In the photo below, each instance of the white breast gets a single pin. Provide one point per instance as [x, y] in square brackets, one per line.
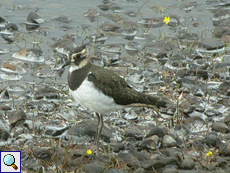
[90, 97]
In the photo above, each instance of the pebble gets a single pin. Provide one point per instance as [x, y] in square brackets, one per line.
[187, 163]
[168, 141]
[17, 117]
[211, 139]
[94, 167]
[220, 127]
[34, 19]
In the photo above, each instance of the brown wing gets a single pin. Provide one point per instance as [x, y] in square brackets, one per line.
[115, 86]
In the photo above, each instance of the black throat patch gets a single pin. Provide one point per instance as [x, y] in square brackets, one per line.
[75, 78]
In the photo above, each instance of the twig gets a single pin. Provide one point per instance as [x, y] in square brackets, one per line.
[192, 156]
[142, 5]
[149, 25]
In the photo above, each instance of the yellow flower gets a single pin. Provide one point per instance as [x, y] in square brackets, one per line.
[209, 153]
[89, 152]
[8, 77]
[167, 20]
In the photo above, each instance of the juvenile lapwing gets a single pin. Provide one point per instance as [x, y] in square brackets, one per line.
[102, 90]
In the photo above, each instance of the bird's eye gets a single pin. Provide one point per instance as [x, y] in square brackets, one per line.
[75, 56]
[78, 55]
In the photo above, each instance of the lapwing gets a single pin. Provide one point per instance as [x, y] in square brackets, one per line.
[102, 90]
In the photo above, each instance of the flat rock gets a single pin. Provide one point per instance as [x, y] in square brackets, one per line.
[43, 152]
[220, 127]
[159, 131]
[114, 170]
[89, 128]
[211, 139]
[94, 167]
[168, 141]
[151, 165]
[224, 148]
[129, 159]
[17, 117]
[211, 44]
[187, 163]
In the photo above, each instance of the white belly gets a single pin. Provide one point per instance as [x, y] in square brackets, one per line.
[88, 96]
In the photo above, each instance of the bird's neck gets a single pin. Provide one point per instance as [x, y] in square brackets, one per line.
[77, 75]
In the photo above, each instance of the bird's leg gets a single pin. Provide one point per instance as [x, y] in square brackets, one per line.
[99, 128]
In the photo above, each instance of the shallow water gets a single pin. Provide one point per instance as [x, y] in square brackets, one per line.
[17, 11]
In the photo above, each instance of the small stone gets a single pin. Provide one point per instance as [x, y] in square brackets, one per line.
[88, 127]
[211, 113]
[199, 90]
[47, 92]
[109, 27]
[140, 170]
[98, 37]
[219, 31]
[189, 81]
[3, 22]
[220, 127]
[133, 46]
[9, 66]
[112, 48]
[225, 39]
[211, 139]
[176, 61]
[94, 167]
[42, 152]
[152, 164]
[221, 14]
[114, 170]
[150, 143]
[224, 148]
[159, 131]
[32, 165]
[17, 117]
[31, 54]
[227, 119]
[221, 161]
[172, 152]
[186, 34]
[199, 73]
[129, 159]
[180, 74]
[134, 133]
[11, 27]
[168, 141]
[92, 14]
[118, 147]
[225, 88]
[187, 163]
[211, 44]
[169, 161]
[4, 134]
[129, 32]
[139, 155]
[63, 19]
[4, 95]
[64, 46]
[170, 168]
[188, 109]
[34, 19]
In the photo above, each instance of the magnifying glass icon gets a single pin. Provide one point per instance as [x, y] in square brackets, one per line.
[9, 160]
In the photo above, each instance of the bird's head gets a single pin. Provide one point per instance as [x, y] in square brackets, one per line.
[77, 57]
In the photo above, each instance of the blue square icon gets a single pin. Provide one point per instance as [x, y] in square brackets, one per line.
[10, 161]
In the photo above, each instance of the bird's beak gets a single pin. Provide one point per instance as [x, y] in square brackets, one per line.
[66, 63]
